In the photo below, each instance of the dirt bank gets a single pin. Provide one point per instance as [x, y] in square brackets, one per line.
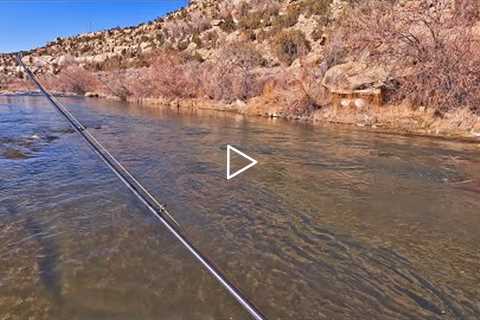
[401, 120]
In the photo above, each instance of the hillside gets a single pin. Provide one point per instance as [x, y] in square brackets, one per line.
[200, 30]
[407, 65]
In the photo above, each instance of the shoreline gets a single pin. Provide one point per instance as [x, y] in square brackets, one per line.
[391, 120]
[319, 119]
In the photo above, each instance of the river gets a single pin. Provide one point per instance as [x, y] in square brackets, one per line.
[332, 223]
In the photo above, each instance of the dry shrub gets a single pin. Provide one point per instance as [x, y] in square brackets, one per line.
[309, 80]
[252, 21]
[199, 22]
[316, 7]
[212, 38]
[425, 44]
[271, 7]
[257, 13]
[74, 79]
[232, 76]
[176, 29]
[289, 95]
[183, 45]
[467, 11]
[170, 75]
[18, 85]
[128, 59]
[224, 9]
[290, 45]
[197, 40]
[119, 83]
[301, 93]
[289, 19]
[228, 25]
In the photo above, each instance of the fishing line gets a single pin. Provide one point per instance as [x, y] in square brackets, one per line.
[158, 210]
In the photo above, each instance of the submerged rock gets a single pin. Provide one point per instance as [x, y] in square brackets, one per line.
[14, 154]
[51, 138]
[64, 131]
[24, 147]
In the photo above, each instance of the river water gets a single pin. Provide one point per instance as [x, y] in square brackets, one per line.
[331, 224]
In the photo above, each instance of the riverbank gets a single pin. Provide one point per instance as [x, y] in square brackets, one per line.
[7, 93]
[402, 120]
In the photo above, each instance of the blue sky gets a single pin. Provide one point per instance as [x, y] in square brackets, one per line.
[27, 24]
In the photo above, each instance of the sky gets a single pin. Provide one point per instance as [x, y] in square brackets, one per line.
[27, 24]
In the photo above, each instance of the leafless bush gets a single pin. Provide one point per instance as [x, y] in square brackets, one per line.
[256, 14]
[301, 92]
[170, 76]
[225, 9]
[269, 6]
[212, 38]
[120, 83]
[468, 11]
[290, 18]
[252, 20]
[232, 76]
[228, 25]
[427, 47]
[200, 22]
[309, 80]
[334, 53]
[19, 85]
[73, 79]
[294, 93]
[176, 29]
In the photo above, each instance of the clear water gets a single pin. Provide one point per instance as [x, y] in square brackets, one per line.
[331, 224]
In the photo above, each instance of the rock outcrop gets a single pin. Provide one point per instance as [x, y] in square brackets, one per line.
[354, 77]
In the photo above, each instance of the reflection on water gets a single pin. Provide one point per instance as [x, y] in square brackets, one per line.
[331, 224]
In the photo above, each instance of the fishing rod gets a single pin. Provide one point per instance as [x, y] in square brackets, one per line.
[158, 210]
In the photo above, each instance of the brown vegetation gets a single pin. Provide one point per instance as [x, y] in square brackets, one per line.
[290, 45]
[433, 57]
[73, 79]
[232, 76]
[273, 54]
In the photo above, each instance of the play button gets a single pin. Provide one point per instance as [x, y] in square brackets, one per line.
[231, 175]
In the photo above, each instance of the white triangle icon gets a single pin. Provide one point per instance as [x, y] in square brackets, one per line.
[236, 173]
